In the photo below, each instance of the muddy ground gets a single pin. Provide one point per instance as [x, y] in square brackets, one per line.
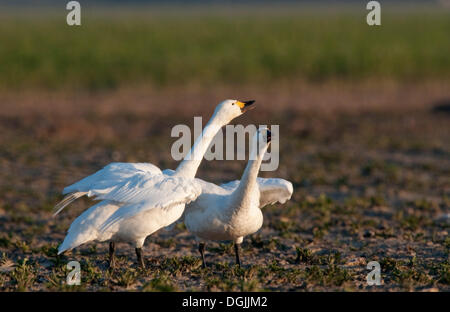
[370, 165]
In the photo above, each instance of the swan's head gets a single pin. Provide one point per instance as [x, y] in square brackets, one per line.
[261, 140]
[230, 109]
[264, 136]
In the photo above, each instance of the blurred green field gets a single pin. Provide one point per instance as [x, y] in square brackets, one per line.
[164, 50]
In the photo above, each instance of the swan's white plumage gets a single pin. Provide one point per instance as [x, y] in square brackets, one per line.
[208, 217]
[67, 201]
[105, 180]
[272, 190]
[112, 175]
[138, 198]
[233, 210]
[85, 227]
[135, 190]
[143, 194]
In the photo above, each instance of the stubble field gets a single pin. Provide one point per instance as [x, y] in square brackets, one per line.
[364, 140]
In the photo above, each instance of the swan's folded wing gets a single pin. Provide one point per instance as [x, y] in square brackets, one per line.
[271, 190]
[153, 192]
[105, 180]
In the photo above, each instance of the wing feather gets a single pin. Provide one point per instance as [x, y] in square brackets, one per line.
[155, 192]
[271, 190]
[105, 180]
[67, 201]
[111, 175]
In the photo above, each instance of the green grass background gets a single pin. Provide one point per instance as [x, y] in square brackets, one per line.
[109, 51]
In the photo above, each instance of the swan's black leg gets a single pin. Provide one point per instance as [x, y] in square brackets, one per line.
[139, 257]
[201, 248]
[112, 258]
[236, 249]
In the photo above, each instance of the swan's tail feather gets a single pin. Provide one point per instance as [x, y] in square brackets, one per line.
[63, 247]
[70, 243]
[66, 201]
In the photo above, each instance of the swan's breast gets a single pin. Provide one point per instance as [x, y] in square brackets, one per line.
[246, 223]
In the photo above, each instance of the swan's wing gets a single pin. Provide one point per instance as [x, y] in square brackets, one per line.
[70, 198]
[274, 190]
[159, 189]
[105, 180]
[152, 192]
[271, 190]
[111, 175]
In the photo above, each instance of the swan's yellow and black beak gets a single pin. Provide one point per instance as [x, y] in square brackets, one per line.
[245, 105]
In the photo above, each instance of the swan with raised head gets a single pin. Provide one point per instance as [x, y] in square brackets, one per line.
[233, 210]
[138, 199]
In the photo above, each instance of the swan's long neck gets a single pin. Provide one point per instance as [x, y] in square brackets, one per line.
[189, 166]
[241, 197]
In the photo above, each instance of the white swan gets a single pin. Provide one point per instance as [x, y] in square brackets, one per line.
[138, 198]
[233, 210]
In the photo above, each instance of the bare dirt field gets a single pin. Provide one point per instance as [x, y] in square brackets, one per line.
[370, 165]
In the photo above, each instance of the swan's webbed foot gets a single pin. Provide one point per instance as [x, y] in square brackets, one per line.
[112, 258]
[139, 258]
[236, 250]
[201, 248]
